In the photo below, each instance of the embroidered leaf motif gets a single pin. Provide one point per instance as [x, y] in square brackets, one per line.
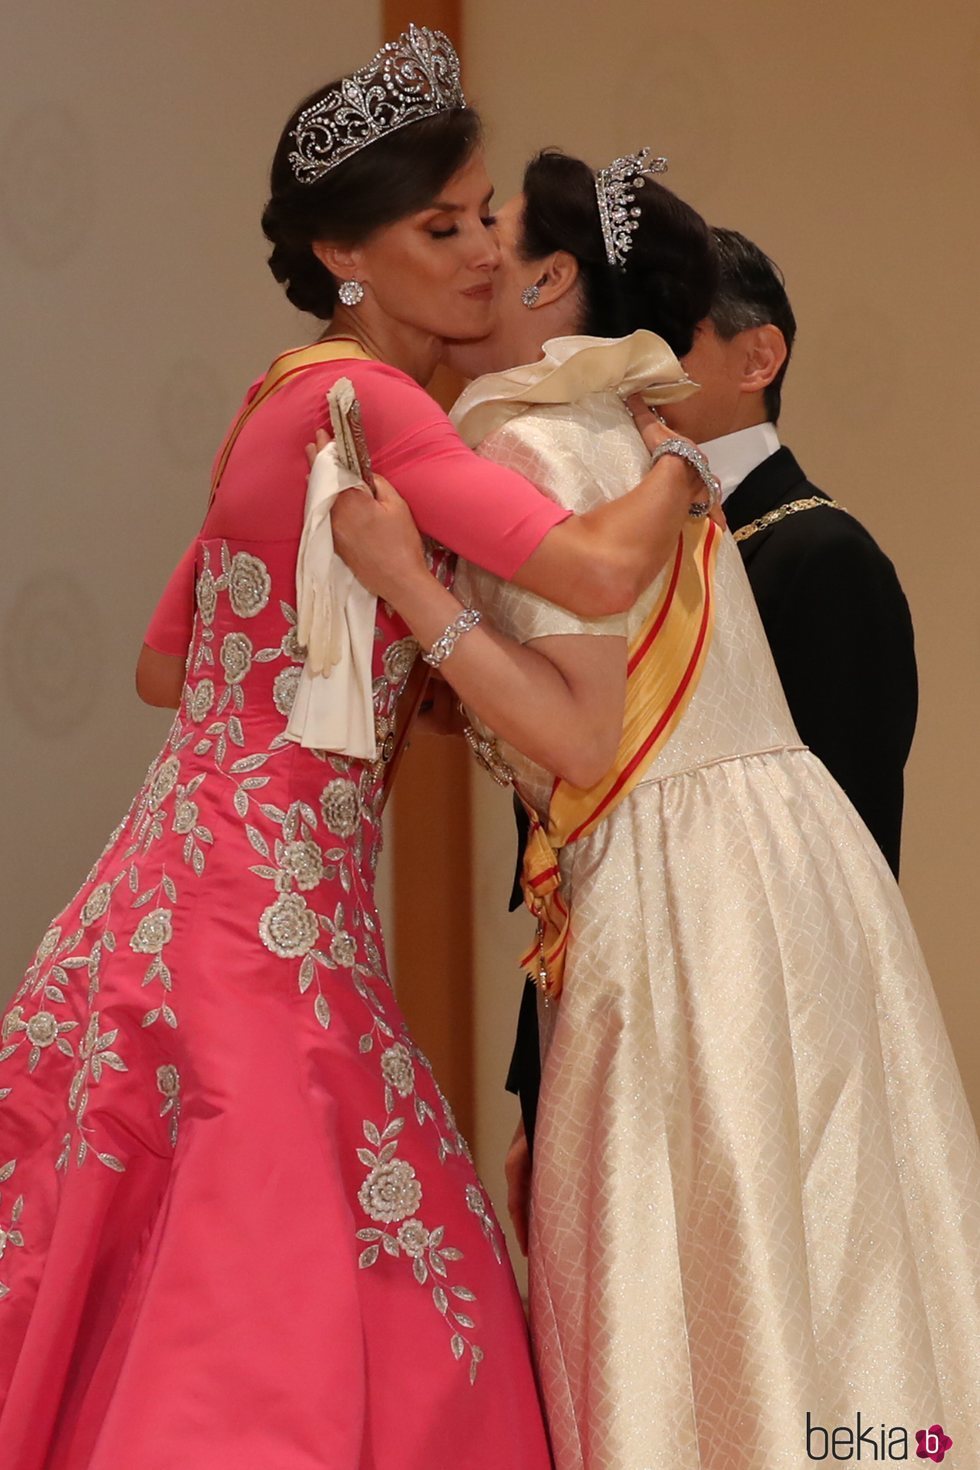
[441, 1300]
[372, 1135]
[256, 839]
[306, 972]
[246, 763]
[366, 1043]
[7, 1170]
[112, 1162]
[369, 1256]
[457, 1345]
[322, 1011]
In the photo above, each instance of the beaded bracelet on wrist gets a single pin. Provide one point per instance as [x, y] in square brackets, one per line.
[445, 644]
[691, 454]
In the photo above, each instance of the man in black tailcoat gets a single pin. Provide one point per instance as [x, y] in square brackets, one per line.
[831, 604]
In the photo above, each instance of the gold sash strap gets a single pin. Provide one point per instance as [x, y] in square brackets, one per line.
[665, 663]
[285, 367]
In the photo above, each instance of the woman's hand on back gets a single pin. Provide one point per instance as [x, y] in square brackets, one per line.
[654, 432]
[375, 534]
[377, 538]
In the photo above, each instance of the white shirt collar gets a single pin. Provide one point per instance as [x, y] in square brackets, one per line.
[734, 456]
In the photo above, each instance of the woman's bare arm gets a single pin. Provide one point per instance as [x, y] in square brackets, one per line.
[559, 700]
[592, 564]
[159, 678]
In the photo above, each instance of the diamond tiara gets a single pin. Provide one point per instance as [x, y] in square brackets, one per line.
[614, 187]
[411, 78]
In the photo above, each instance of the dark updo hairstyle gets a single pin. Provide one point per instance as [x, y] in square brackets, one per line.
[395, 176]
[671, 271]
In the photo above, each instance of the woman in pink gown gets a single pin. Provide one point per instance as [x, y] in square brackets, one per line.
[239, 1228]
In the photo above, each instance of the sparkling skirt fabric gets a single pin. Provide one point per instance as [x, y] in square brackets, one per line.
[756, 1187]
[239, 1229]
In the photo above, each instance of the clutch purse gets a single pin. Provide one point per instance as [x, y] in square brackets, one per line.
[348, 431]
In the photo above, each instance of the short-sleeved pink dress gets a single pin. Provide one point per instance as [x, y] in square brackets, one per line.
[239, 1229]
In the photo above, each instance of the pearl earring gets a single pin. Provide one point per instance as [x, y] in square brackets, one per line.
[530, 296]
[351, 293]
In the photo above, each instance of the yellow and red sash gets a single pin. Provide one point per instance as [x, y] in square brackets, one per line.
[285, 367]
[666, 659]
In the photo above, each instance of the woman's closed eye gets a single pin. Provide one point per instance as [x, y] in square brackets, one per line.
[488, 221]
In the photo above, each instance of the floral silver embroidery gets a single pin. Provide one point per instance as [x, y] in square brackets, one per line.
[249, 585]
[398, 1069]
[163, 782]
[391, 1195]
[391, 1192]
[48, 944]
[303, 862]
[207, 596]
[398, 659]
[236, 657]
[476, 1202]
[153, 931]
[185, 816]
[42, 1030]
[284, 689]
[96, 1053]
[10, 1234]
[96, 904]
[413, 1238]
[199, 699]
[168, 1085]
[343, 949]
[292, 647]
[288, 927]
[340, 804]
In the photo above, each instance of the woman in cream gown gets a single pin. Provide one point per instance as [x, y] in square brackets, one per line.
[755, 1206]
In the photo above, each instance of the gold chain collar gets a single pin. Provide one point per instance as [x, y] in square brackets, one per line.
[773, 517]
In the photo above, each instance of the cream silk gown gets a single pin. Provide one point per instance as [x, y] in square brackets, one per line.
[756, 1193]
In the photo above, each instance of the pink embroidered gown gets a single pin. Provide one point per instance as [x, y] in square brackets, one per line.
[239, 1229]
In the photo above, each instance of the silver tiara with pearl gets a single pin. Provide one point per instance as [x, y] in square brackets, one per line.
[409, 79]
[615, 188]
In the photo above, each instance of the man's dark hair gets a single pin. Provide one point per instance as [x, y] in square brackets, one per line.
[751, 293]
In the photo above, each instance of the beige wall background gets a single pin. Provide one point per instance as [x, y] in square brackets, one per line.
[136, 306]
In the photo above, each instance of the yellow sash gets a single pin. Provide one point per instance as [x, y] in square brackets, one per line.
[666, 659]
[285, 367]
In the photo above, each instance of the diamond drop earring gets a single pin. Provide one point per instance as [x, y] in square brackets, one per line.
[530, 296]
[351, 293]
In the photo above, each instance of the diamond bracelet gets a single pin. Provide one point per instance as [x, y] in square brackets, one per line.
[444, 645]
[684, 449]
